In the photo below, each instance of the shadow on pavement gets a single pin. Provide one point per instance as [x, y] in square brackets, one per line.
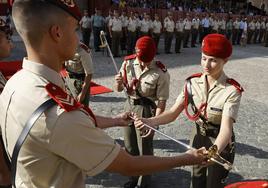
[244, 149]
[107, 99]
[177, 178]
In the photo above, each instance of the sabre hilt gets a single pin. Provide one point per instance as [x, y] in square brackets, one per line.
[103, 40]
[214, 156]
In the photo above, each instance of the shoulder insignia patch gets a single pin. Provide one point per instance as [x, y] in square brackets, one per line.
[133, 56]
[160, 65]
[235, 84]
[67, 102]
[197, 75]
[85, 47]
[64, 100]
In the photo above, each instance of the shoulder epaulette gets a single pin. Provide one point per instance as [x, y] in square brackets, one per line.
[85, 47]
[133, 56]
[161, 66]
[197, 75]
[235, 84]
[67, 102]
[64, 100]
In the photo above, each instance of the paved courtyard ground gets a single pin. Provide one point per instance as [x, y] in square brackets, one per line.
[248, 65]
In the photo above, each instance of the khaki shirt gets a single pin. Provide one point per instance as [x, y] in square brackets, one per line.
[83, 65]
[157, 26]
[258, 25]
[145, 25]
[236, 24]
[223, 99]
[222, 24]
[116, 24]
[179, 26]
[169, 25]
[154, 83]
[252, 26]
[62, 147]
[195, 23]
[262, 25]
[85, 22]
[132, 24]
[187, 24]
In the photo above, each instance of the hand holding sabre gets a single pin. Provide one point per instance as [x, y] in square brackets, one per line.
[146, 125]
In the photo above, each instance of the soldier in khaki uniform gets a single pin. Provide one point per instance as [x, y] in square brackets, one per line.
[251, 30]
[179, 35]
[262, 31]
[132, 25]
[169, 26]
[146, 81]
[215, 100]
[66, 142]
[115, 29]
[156, 30]
[5, 49]
[235, 31]
[80, 71]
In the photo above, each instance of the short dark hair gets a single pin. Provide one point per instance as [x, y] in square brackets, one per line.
[33, 18]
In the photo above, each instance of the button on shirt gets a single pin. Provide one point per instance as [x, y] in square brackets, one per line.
[62, 146]
[223, 99]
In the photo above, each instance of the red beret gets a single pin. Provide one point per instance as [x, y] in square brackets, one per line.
[67, 5]
[217, 45]
[145, 49]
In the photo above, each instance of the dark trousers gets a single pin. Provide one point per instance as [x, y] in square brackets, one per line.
[96, 33]
[250, 34]
[123, 40]
[116, 35]
[194, 37]
[256, 34]
[131, 38]
[186, 36]
[229, 34]
[168, 41]
[234, 36]
[136, 145]
[266, 39]
[179, 38]
[156, 37]
[240, 31]
[214, 175]
[86, 32]
[262, 32]
[201, 33]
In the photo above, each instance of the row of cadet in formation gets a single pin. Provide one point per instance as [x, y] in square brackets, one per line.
[123, 30]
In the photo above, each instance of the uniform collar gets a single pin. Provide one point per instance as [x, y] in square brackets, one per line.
[43, 71]
[220, 82]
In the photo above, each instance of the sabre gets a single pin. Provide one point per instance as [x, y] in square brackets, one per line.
[104, 44]
[212, 152]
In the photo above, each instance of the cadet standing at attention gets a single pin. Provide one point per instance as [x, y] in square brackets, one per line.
[66, 142]
[80, 71]
[146, 81]
[215, 100]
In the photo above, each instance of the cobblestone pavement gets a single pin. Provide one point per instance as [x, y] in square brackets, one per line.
[249, 66]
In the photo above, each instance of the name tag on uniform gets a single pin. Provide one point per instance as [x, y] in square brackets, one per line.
[216, 109]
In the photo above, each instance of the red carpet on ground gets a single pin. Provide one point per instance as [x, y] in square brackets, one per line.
[249, 184]
[11, 67]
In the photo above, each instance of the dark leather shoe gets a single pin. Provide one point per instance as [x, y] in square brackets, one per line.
[130, 184]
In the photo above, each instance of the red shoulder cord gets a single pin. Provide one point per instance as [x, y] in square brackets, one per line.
[196, 115]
